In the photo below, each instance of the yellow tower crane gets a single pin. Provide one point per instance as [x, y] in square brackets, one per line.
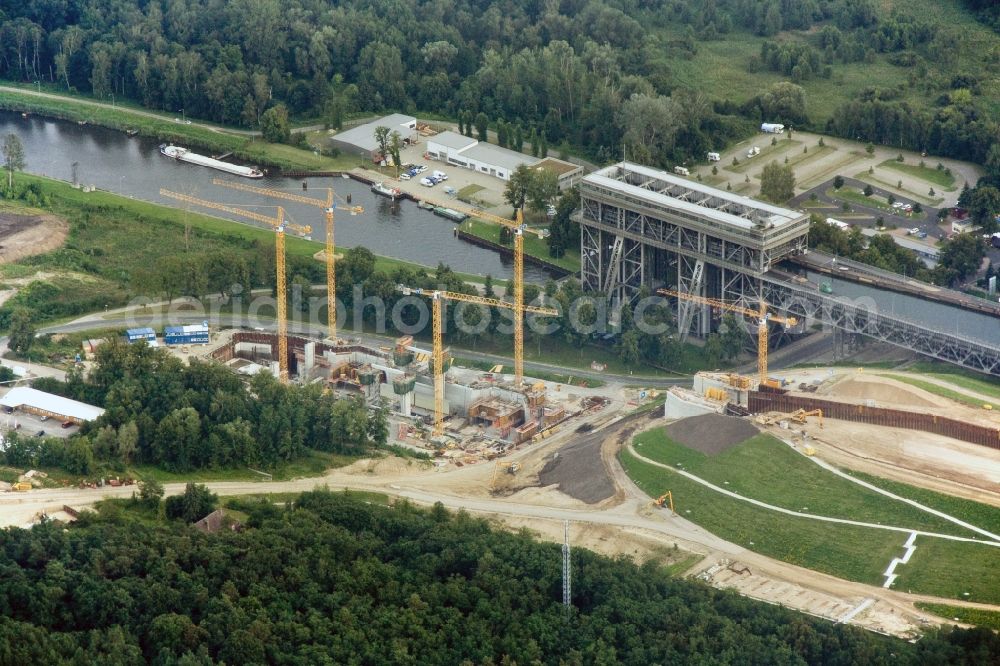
[761, 315]
[279, 224]
[437, 327]
[518, 306]
[329, 206]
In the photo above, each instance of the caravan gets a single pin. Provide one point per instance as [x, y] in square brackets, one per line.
[681, 171]
[714, 157]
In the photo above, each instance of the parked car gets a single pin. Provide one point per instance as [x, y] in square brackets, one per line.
[440, 175]
[420, 168]
[43, 417]
[922, 234]
[404, 176]
[427, 182]
[40, 433]
[68, 424]
[914, 231]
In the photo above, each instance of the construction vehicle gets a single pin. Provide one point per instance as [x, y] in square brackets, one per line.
[519, 228]
[509, 467]
[667, 499]
[437, 327]
[762, 316]
[799, 416]
[20, 486]
[328, 205]
[279, 224]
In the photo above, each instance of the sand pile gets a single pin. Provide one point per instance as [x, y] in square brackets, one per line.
[884, 390]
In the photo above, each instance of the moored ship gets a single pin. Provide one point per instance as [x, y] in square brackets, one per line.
[185, 155]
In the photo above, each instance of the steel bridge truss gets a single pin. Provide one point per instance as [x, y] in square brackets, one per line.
[864, 319]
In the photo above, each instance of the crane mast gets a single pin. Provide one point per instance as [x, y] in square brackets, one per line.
[279, 224]
[518, 227]
[328, 205]
[761, 315]
[438, 298]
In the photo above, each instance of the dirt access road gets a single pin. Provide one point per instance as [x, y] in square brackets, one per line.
[622, 523]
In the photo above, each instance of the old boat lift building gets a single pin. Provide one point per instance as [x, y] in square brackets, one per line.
[641, 227]
[644, 227]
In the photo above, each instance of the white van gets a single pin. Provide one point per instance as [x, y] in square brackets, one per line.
[440, 175]
[714, 157]
[681, 171]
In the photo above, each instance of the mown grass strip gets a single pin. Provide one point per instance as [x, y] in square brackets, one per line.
[976, 616]
[850, 552]
[943, 391]
[768, 470]
[938, 177]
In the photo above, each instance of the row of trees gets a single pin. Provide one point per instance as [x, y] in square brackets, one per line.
[960, 257]
[332, 578]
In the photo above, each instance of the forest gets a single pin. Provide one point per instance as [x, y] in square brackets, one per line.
[180, 417]
[584, 74]
[333, 578]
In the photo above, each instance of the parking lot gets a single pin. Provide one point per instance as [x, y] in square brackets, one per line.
[32, 424]
[489, 196]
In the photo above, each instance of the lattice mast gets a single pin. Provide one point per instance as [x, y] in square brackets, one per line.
[328, 205]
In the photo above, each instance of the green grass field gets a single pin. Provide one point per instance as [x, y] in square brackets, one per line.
[770, 471]
[854, 553]
[976, 616]
[967, 379]
[533, 245]
[951, 569]
[760, 469]
[852, 195]
[981, 515]
[943, 391]
[941, 178]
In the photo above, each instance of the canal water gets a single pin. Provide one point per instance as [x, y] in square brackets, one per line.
[133, 166]
[967, 324]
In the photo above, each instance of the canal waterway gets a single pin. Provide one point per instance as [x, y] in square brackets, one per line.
[930, 314]
[133, 166]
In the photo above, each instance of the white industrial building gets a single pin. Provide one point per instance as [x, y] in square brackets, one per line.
[481, 157]
[51, 405]
[360, 140]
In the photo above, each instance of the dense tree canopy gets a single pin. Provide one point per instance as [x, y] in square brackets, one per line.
[334, 579]
[183, 417]
[578, 71]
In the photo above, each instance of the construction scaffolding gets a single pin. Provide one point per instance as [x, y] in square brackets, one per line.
[497, 413]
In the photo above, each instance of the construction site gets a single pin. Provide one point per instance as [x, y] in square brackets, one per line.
[478, 416]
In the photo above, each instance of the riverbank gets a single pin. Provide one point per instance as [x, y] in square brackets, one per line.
[243, 145]
[109, 244]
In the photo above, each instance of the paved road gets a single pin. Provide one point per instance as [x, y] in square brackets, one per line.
[100, 321]
[925, 221]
